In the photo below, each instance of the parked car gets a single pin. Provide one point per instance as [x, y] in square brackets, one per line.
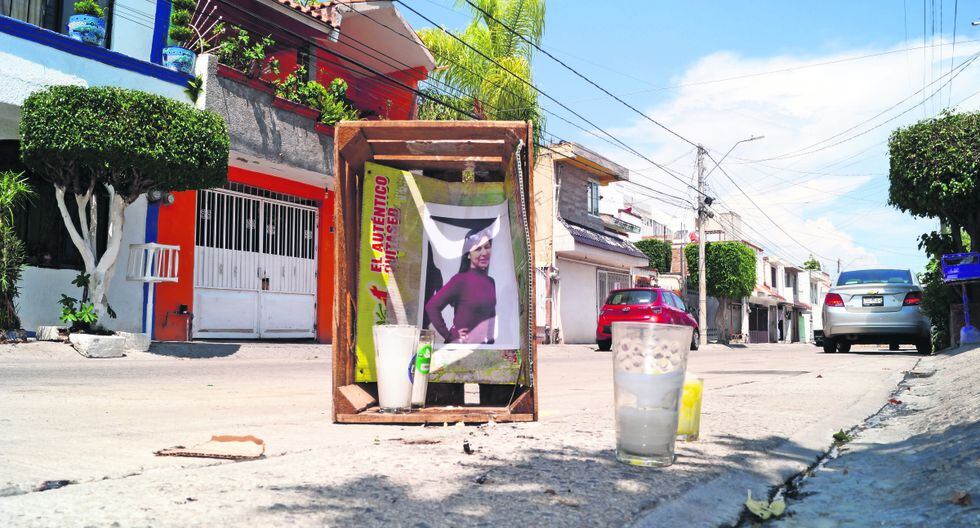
[655, 305]
[875, 306]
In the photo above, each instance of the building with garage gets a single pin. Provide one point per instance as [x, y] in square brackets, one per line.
[579, 260]
[255, 257]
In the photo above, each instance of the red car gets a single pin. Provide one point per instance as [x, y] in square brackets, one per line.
[655, 305]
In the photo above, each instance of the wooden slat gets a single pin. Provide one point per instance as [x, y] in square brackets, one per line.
[437, 415]
[387, 147]
[439, 130]
[356, 398]
[458, 165]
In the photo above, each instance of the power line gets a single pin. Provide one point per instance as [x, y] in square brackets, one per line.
[535, 88]
[806, 151]
[617, 143]
[580, 75]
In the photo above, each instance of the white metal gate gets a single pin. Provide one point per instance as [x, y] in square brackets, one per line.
[254, 267]
[607, 281]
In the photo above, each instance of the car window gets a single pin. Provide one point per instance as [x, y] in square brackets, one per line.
[630, 297]
[876, 276]
[679, 302]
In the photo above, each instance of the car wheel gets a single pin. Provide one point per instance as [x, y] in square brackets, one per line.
[604, 344]
[843, 348]
[893, 347]
[924, 346]
[695, 340]
[829, 346]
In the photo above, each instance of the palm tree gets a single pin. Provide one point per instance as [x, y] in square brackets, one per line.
[479, 86]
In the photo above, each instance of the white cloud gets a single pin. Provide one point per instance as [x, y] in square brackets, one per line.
[831, 201]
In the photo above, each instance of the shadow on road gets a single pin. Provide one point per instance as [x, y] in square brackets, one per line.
[194, 350]
[540, 487]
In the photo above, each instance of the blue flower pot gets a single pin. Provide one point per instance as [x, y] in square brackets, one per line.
[87, 29]
[179, 59]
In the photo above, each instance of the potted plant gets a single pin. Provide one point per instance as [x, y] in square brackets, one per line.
[88, 23]
[179, 56]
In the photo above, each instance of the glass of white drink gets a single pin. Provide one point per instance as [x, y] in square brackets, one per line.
[394, 347]
[649, 360]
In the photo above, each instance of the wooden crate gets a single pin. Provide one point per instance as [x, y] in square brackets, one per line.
[443, 149]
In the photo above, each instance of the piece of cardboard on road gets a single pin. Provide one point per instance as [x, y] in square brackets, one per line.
[221, 446]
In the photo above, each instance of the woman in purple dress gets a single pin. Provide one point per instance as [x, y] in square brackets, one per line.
[471, 292]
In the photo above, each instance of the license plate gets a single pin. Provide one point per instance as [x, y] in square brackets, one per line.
[873, 300]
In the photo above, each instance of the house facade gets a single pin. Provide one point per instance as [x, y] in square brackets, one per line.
[255, 256]
[579, 260]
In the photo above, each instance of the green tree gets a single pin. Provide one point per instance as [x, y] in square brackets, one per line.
[478, 85]
[812, 264]
[14, 192]
[934, 171]
[729, 275]
[126, 140]
[658, 251]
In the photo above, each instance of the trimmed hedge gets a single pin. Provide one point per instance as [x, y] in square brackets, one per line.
[658, 251]
[132, 140]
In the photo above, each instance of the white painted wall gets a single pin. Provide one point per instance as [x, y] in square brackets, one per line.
[577, 302]
[132, 27]
[41, 289]
[27, 66]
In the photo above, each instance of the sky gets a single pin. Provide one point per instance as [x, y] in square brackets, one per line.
[824, 84]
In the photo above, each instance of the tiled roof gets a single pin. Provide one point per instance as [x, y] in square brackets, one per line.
[319, 11]
[591, 237]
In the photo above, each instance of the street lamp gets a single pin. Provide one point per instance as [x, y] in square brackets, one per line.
[703, 203]
[737, 143]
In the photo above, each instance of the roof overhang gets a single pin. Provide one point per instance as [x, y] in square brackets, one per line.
[605, 170]
[369, 26]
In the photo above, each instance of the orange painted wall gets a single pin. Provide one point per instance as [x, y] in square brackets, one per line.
[176, 226]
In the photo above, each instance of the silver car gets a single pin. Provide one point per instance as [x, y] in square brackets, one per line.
[875, 306]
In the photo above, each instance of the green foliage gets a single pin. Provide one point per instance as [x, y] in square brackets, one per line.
[937, 296]
[14, 192]
[12, 258]
[730, 268]
[480, 86]
[841, 437]
[658, 251]
[185, 5]
[179, 35]
[812, 264]
[935, 171]
[78, 315]
[89, 7]
[246, 53]
[331, 102]
[194, 86]
[131, 140]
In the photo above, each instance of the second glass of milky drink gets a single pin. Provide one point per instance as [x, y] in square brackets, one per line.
[394, 347]
[649, 361]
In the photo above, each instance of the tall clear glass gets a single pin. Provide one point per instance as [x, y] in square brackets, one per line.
[394, 348]
[649, 361]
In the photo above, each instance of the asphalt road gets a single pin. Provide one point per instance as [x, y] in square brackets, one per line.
[769, 411]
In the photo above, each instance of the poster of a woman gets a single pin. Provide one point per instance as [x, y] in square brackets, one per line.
[471, 292]
[477, 306]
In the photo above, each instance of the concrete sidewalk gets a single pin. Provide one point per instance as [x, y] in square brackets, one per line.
[768, 412]
[916, 463]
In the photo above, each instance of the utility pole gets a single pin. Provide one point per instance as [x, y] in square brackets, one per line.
[702, 285]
